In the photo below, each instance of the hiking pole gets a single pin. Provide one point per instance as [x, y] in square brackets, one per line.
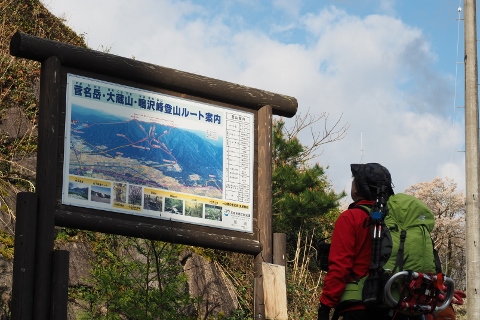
[372, 292]
[377, 214]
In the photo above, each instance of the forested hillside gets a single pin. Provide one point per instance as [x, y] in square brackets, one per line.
[19, 88]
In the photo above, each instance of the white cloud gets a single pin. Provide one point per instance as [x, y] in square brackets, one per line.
[379, 73]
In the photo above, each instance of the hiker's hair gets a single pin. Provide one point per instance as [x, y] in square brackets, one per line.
[372, 195]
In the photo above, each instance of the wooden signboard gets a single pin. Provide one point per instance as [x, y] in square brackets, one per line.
[135, 149]
[141, 150]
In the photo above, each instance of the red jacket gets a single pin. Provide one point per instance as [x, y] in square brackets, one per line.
[350, 253]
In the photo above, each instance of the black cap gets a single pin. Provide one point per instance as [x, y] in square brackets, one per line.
[369, 177]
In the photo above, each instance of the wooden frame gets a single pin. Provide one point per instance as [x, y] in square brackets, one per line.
[138, 226]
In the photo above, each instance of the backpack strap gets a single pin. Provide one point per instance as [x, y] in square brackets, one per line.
[438, 264]
[401, 250]
[365, 208]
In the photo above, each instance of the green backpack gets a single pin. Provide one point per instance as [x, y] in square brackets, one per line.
[404, 244]
[410, 222]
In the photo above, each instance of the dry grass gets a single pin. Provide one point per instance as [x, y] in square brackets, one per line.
[304, 280]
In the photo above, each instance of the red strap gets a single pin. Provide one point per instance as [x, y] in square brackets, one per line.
[439, 282]
[458, 297]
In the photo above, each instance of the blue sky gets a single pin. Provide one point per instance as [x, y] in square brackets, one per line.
[387, 69]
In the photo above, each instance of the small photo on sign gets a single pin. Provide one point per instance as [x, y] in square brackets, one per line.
[174, 206]
[135, 195]
[120, 192]
[100, 194]
[78, 191]
[152, 202]
[213, 212]
[193, 209]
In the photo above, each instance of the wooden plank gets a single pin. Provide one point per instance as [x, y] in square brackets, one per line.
[173, 232]
[274, 291]
[38, 49]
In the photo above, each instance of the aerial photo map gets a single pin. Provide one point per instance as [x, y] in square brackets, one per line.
[145, 153]
[109, 147]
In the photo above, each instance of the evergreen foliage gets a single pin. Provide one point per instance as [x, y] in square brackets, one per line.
[301, 194]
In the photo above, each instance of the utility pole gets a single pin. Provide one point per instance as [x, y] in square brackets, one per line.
[472, 162]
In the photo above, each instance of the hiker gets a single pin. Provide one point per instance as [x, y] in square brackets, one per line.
[383, 238]
[351, 247]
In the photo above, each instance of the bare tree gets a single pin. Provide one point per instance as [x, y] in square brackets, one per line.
[327, 134]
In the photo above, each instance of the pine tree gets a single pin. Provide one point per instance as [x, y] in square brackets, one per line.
[301, 193]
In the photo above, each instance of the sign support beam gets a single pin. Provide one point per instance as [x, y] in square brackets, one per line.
[264, 223]
[46, 184]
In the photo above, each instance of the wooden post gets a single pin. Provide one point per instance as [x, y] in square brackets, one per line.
[46, 184]
[274, 280]
[24, 259]
[60, 284]
[280, 249]
[472, 163]
[264, 222]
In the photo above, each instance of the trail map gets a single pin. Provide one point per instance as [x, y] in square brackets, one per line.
[144, 153]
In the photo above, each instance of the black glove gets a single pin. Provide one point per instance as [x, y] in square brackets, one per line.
[323, 312]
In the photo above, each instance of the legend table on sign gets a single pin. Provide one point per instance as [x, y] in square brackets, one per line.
[239, 156]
